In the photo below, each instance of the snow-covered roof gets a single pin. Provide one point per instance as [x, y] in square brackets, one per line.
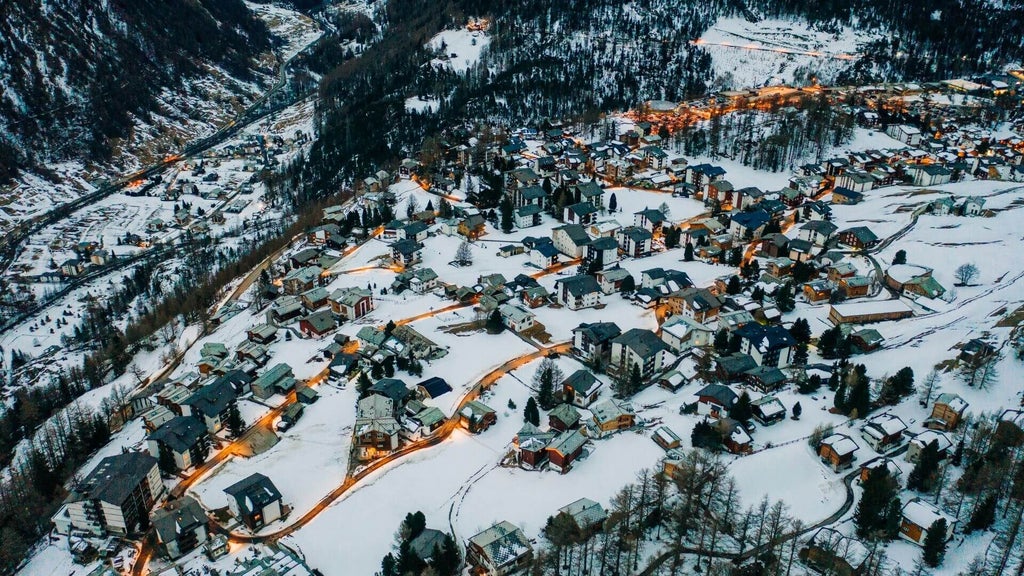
[922, 513]
[925, 438]
[841, 444]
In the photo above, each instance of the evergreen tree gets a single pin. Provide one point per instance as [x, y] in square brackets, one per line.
[741, 410]
[721, 341]
[389, 366]
[234, 422]
[735, 343]
[800, 330]
[872, 510]
[546, 390]
[389, 566]
[628, 284]
[733, 287]
[531, 414]
[900, 257]
[839, 401]
[784, 298]
[859, 399]
[447, 557]
[495, 325]
[757, 293]
[688, 252]
[705, 436]
[506, 214]
[734, 257]
[376, 370]
[613, 203]
[389, 327]
[408, 562]
[984, 515]
[935, 543]
[925, 471]
[800, 354]
[363, 384]
[165, 461]
[797, 411]
[810, 385]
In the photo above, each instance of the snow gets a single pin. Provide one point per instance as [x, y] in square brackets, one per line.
[462, 48]
[871, 307]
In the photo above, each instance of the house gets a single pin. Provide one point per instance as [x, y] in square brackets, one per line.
[499, 550]
[318, 323]
[699, 304]
[610, 280]
[768, 410]
[765, 378]
[184, 439]
[800, 250]
[918, 516]
[279, 379]
[284, 308]
[767, 345]
[416, 230]
[211, 404]
[895, 472]
[837, 451]
[831, 552]
[544, 256]
[433, 387]
[748, 225]
[180, 527]
[570, 239]
[429, 420]
[650, 219]
[114, 498]
[531, 445]
[564, 417]
[867, 312]
[640, 348]
[578, 292]
[975, 352]
[818, 290]
[583, 213]
[601, 252]
[612, 415]
[509, 250]
[929, 174]
[427, 543]
[866, 340]
[392, 389]
[947, 412]
[254, 501]
[846, 196]
[910, 278]
[593, 342]
[376, 428]
[731, 320]
[883, 432]
[301, 279]
[735, 439]
[528, 216]
[918, 443]
[565, 448]
[472, 227]
[817, 232]
[351, 303]
[262, 333]
[588, 515]
[634, 241]
[860, 237]
[909, 135]
[972, 206]
[681, 333]
[423, 280]
[733, 368]
[856, 286]
[407, 252]
[516, 318]
[666, 438]
[476, 416]
[581, 388]
[713, 400]
[315, 298]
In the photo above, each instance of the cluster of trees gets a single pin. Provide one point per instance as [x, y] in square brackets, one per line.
[32, 487]
[443, 560]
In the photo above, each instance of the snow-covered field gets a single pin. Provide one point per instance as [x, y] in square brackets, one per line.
[773, 51]
[459, 49]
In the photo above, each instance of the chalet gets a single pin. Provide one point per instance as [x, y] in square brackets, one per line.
[301, 279]
[767, 345]
[376, 429]
[612, 415]
[637, 347]
[918, 443]
[918, 516]
[713, 400]
[516, 318]
[114, 498]
[867, 312]
[866, 340]
[634, 241]
[285, 309]
[509, 250]
[765, 378]
[601, 252]
[860, 237]
[909, 278]
[180, 527]
[184, 439]
[581, 388]
[588, 515]
[947, 412]
[351, 303]
[423, 280]
[303, 258]
[476, 416]
[318, 323]
[565, 448]
[768, 410]
[818, 290]
[593, 342]
[800, 250]
[406, 252]
[895, 472]
[262, 333]
[592, 192]
[681, 333]
[500, 550]
[428, 420]
[650, 219]
[254, 501]
[528, 216]
[817, 232]
[972, 206]
[975, 352]
[582, 213]
[578, 292]
[211, 403]
[837, 451]
[433, 387]
[531, 443]
[611, 279]
[314, 299]
[733, 368]
[735, 439]
[929, 174]
[393, 389]
[856, 286]
[883, 432]
[564, 417]
[831, 552]
[277, 380]
[666, 438]
[845, 196]
[699, 304]
[570, 240]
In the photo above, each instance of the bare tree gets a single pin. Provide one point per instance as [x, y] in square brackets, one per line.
[464, 255]
[927, 387]
[965, 274]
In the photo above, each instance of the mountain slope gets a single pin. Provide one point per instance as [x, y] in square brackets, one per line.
[76, 71]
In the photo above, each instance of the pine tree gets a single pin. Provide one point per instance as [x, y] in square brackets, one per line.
[935, 543]
[495, 325]
[613, 203]
[721, 341]
[839, 401]
[389, 566]
[531, 414]
[688, 252]
[859, 399]
[234, 422]
[363, 385]
[797, 411]
[506, 214]
[922, 477]
[784, 298]
[165, 461]
[900, 257]
[893, 519]
[872, 510]
[984, 515]
[800, 330]
[741, 410]
[546, 390]
[628, 284]
[800, 354]
[389, 366]
[733, 287]
[447, 557]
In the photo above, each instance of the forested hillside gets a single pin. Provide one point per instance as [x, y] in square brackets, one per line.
[74, 72]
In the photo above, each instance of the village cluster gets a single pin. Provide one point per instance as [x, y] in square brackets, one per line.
[712, 270]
